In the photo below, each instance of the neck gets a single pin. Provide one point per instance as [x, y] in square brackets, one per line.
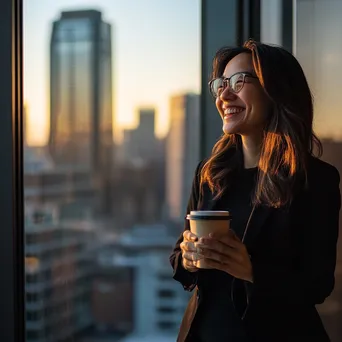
[251, 148]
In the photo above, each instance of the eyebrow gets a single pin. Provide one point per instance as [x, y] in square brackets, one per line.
[241, 72]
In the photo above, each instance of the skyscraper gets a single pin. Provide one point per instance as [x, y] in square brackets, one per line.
[81, 91]
[141, 143]
[182, 152]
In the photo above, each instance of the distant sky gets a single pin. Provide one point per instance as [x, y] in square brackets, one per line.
[156, 53]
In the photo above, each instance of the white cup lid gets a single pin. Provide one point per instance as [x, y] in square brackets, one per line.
[210, 213]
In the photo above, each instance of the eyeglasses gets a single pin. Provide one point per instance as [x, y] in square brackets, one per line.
[235, 83]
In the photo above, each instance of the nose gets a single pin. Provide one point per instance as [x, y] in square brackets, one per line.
[227, 95]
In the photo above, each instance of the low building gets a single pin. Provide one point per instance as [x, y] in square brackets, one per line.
[136, 263]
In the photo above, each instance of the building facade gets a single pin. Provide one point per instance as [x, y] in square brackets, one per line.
[81, 91]
[182, 152]
[140, 145]
[153, 302]
[60, 244]
[59, 269]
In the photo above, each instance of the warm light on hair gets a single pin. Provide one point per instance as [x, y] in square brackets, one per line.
[288, 135]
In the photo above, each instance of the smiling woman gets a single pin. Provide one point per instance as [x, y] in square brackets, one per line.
[272, 119]
[90, 276]
[264, 277]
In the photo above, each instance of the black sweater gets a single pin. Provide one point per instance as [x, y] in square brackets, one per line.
[217, 318]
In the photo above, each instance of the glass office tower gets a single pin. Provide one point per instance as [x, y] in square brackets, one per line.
[81, 90]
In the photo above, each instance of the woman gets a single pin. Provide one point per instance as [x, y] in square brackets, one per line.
[278, 260]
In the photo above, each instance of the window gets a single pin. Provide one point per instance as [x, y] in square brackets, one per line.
[31, 297]
[166, 294]
[53, 192]
[106, 191]
[317, 45]
[166, 310]
[107, 114]
[33, 316]
[166, 325]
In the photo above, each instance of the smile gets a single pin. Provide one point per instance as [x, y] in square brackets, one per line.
[232, 110]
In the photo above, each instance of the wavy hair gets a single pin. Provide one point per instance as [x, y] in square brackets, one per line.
[288, 137]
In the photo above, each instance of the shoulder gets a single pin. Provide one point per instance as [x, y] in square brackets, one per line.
[318, 168]
[322, 173]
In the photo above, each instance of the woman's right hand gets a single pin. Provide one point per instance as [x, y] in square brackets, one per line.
[189, 251]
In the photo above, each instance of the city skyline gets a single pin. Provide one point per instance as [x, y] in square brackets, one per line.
[171, 51]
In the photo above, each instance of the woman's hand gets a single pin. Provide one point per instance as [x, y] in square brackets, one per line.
[226, 253]
[189, 251]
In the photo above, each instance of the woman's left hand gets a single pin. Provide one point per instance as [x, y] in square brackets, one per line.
[226, 253]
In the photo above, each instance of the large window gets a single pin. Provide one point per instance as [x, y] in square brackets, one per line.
[318, 47]
[112, 119]
[112, 109]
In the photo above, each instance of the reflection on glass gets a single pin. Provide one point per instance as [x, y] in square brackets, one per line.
[111, 144]
[76, 80]
[318, 48]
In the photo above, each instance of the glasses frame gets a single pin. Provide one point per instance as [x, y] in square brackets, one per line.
[226, 83]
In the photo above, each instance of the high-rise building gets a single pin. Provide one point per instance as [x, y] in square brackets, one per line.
[81, 91]
[182, 152]
[147, 118]
[141, 144]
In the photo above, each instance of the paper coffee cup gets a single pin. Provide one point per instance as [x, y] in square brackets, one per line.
[202, 223]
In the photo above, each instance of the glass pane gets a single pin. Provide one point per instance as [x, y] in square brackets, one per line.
[318, 48]
[111, 144]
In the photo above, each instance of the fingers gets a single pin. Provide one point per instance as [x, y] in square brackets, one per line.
[189, 261]
[214, 245]
[192, 256]
[189, 265]
[223, 248]
[223, 254]
[187, 246]
[188, 236]
[189, 251]
[230, 239]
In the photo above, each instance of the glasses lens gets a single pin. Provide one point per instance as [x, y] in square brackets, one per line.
[236, 82]
[217, 87]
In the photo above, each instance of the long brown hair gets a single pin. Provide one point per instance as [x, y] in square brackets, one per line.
[288, 137]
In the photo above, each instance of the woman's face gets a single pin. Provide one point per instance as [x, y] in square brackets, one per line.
[245, 112]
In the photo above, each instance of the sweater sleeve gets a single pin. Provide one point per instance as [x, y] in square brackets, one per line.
[186, 278]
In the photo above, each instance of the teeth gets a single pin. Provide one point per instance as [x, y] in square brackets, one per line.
[233, 110]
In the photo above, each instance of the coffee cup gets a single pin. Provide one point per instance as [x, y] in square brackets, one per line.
[204, 222]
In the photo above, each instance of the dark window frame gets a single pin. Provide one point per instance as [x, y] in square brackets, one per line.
[223, 23]
[12, 285]
[287, 25]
